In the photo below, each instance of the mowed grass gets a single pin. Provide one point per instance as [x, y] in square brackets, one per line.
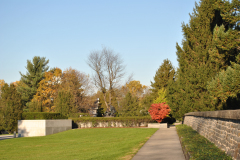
[94, 143]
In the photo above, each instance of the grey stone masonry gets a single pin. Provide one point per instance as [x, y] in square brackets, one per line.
[220, 127]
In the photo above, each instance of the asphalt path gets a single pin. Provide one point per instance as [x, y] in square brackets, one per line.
[163, 145]
[5, 137]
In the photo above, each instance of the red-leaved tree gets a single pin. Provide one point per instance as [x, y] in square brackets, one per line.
[159, 111]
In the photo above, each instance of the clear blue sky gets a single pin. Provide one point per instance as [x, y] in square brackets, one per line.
[143, 32]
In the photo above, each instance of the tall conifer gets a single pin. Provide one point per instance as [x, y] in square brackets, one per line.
[206, 49]
[164, 73]
[29, 83]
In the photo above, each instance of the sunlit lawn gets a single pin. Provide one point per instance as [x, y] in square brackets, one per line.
[95, 143]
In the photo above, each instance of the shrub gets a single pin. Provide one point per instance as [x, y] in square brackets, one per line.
[159, 111]
[41, 115]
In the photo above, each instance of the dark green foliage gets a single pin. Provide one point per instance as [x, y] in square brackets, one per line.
[1, 116]
[29, 82]
[42, 115]
[130, 106]
[64, 103]
[209, 45]
[11, 108]
[100, 112]
[165, 73]
[198, 146]
[173, 96]
[35, 106]
[127, 121]
[146, 102]
[224, 89]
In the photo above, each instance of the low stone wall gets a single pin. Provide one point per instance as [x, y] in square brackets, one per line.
[108, 124]
[31, 128]
[220, 127]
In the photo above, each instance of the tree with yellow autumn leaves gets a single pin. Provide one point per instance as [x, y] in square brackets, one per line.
[73, 85]
[43, 100]
[61, 89]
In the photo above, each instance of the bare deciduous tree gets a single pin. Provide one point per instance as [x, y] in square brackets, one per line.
[109, 70]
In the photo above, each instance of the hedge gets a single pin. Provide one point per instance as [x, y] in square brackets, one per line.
[42, 115]
[126, 121]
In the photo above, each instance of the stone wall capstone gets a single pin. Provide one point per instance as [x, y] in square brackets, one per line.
[220, 127]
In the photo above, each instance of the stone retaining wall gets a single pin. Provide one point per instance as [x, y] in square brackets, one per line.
[220, 127]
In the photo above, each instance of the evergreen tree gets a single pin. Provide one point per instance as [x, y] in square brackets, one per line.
[29, 83]
[11, 107]
[35, 106]
[65, 103]
[164, 73]
[146, 103]
[206, 50]
[224, 89]
[175, 96]
[130, 106]
[100, 111]
[161, 96]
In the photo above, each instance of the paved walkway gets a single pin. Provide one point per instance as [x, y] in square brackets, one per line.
[163, 145]
[2, 137]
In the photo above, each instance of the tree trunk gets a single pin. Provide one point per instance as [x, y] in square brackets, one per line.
[104, 96]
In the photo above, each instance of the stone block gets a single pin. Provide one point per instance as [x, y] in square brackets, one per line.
[31, 128]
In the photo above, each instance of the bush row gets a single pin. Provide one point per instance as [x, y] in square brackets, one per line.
[126, 121]
[42, 115]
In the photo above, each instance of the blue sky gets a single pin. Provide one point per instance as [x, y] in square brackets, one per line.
[143, 32]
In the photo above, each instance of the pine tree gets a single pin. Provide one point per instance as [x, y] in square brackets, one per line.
[164, 73]
[224, 89]
[11, 106]
[43, 100]
[206, 49]
[29, 83]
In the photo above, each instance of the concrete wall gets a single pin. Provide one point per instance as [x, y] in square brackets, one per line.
[31, 128]
[220, 127]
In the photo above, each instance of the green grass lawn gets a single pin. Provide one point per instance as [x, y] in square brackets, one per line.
[95, 143]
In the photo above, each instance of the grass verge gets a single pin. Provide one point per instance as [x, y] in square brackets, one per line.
[94, 143]
[198, 147]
